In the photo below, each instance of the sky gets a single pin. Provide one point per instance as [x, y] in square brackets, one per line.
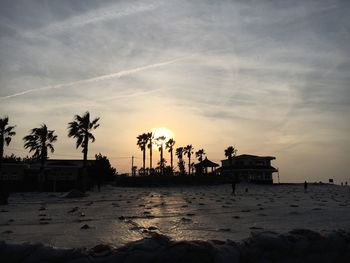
[268, 77]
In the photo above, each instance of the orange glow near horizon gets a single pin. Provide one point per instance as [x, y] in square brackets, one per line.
[162, 131]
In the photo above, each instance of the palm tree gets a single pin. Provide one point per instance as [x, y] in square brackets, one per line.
[38, 141]
[189, 151]
[181, 164]
[5, 136]
[142, 142]
[160, 142]
[179, 152]
[80, 129]
[199, 154]
[149, 146]
[230, 152]
[170, 146]
[161, 166]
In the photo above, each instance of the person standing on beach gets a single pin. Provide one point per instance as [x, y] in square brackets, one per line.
[305, 186]
[233, 188]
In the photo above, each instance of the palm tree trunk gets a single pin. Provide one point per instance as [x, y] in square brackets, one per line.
[150, 155]
[85, 156]
[161, 160]
[144, 161]
[171, 159]
[1, 150]
[85, 153]
[42, 158]
[42, 162]
[189, 165]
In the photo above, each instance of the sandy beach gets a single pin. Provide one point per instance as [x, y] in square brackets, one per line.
[119, 215]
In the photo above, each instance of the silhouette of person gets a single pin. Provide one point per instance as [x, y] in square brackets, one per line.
[305, 186]
[346, 183]
[233, 188]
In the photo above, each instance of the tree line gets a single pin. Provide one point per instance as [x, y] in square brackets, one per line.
[148, 141]
[40, 140]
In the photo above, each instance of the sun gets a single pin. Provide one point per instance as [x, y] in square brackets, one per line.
[158, 132]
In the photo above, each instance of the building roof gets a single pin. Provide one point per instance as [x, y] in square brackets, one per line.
[250, 156]
[206, 163]
[248, 167]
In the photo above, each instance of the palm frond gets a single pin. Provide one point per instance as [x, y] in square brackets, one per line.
[11, 133]
[7, 141]
[4, 122]
[79, 141]
[50, 146]
[9, 129]
[91, 137]
[94, 122]
[39, 140]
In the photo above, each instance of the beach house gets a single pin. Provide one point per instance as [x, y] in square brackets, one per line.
[61, 173]
[249, 168]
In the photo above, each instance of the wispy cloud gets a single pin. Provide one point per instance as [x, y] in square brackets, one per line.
[98, 102]
[269, 77]
[119, 74]
[100, 15]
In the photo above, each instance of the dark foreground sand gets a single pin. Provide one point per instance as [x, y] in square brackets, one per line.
[297, 246]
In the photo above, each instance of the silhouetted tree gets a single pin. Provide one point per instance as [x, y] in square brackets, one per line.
[150, 146]
[104, 167]
[162, 162]
[38, 141]
[12, 159]
[199, 154]
[170, 146]
[161, 169]
[230, 152]
[142, 142]
[142, 171]
[188, 150]
[160, 142]
[81, 129]
[181, 163]
[192, 167]
[168, 170]
[6, 132]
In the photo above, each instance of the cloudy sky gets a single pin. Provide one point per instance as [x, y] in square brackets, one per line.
[269, 77]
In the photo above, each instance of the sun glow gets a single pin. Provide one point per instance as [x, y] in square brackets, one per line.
[158, 132]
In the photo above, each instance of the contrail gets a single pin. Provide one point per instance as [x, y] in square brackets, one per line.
[90, 103]
[119, 74]
[96, 16]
